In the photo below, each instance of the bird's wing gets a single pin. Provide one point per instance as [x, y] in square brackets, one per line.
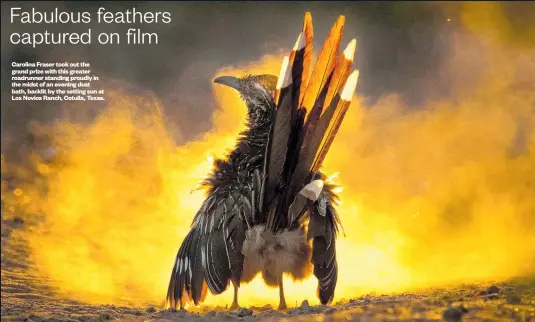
[309, 111]
[211, 254]
[322, 229]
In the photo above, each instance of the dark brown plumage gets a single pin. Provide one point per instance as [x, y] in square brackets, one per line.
[266, 201]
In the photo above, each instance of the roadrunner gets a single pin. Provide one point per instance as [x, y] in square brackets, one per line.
[268, 209]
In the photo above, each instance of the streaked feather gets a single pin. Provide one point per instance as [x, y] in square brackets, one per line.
[313, 101]
[301, 61]
[334, 120]
[324, 254]
[210, 255]
[341, 71]
[324, 65]
[277, 146]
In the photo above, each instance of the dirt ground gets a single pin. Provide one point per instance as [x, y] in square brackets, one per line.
[27, 298]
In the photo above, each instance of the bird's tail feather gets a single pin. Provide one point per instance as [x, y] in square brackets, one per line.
[308, 113]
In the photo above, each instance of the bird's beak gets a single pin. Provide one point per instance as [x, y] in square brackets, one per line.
[229, 81]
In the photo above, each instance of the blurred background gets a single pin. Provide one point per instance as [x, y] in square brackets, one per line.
[402, 46]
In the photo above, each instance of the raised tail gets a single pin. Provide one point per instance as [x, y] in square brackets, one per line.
[308, 114]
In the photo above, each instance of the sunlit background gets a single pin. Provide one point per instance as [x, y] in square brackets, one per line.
[435, 193]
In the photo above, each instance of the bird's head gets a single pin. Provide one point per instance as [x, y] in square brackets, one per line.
[257, 91]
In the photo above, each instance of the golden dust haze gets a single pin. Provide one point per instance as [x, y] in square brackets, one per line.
[433, 196]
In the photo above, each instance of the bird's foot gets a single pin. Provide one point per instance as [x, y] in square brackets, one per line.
[234, 307]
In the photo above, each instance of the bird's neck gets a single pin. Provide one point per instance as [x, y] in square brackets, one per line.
[247, 155]
[253, 141]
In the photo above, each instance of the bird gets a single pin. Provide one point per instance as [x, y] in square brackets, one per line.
[269, 209]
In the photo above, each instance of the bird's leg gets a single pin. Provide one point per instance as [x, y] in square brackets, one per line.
[235, 304]
[282, 300]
